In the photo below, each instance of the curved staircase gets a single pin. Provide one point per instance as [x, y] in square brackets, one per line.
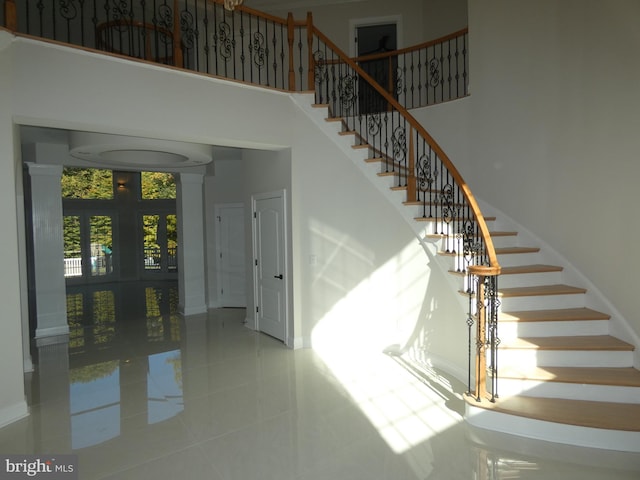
[562, 376]
[558, 363]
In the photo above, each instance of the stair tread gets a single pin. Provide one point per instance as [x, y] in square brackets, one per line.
[540, 290]
[575, 343]
[534, 268]
[611, 376]
[513, 250]
[584, 413]
[553, 315]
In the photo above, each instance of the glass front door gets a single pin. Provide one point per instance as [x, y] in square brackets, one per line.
[160, 241]
[88, 247]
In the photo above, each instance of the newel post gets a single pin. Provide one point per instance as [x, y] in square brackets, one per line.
[312, 66]
[290, 39]
[486, 334]
[481, 333]
[10, 15]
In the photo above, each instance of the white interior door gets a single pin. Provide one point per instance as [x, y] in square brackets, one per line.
[270, 265]
[230, 256]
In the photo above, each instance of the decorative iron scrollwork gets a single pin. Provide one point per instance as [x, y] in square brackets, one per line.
[399, 144]
[374, 124]
[165, 18]
[472, 247]
[399, 81]
[119, 10]
[447, 203]
[320, 66]
[434, 72]
[347, 91]
[257, 47]
[426, 177]
[68, 9]
[224, 41]
[189, 33]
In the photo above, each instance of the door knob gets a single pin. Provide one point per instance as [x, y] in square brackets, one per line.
[278, 276]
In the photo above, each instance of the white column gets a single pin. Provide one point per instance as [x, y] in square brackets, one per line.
[48, 251]
[191, 255]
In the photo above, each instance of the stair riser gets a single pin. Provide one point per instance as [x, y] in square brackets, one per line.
[564, 358]
[504, 241]
[529, 279]
[524, 280]
[541, 302]
[600, 393]
[512, 330]
[517, 259]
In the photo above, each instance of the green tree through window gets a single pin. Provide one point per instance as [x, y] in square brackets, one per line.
[87, 183]
[157, 185]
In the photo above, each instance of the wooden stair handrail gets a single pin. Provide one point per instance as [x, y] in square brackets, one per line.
[413, 48]
[473, 204]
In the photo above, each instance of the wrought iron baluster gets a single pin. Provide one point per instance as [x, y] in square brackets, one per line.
[282, 54]
[166, 21]
[250, 48]
[301, 59]
[132, 34]
[68, 12]
[242, 52]
[54, 21]
[233, 43]
[464, 63]
[206, 47]
[419, 53]
[146, 48]
[441, 63]
[196, 37]
[216, 38]
[412, 88]
[258, 51]
[449, 77]
[82, 16]
[274, 43]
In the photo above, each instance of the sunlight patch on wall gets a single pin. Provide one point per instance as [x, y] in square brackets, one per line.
[377, 309]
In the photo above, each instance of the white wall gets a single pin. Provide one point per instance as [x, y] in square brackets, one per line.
[368, 284]
[12, 399]
[554, 129]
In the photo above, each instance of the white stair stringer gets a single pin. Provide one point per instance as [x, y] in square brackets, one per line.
[528, 359]
[383, 184]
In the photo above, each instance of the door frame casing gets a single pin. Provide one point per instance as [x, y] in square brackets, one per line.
[370, 21]
[282, 194]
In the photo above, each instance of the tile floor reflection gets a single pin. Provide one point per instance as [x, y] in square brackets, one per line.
[141, 393]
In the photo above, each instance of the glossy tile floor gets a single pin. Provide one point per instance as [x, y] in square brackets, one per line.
[140, 393]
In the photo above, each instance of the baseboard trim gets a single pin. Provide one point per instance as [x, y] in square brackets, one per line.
[13, 413]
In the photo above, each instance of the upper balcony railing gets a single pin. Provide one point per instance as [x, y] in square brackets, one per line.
[248, 46]
[243, 44]
[425, 74]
